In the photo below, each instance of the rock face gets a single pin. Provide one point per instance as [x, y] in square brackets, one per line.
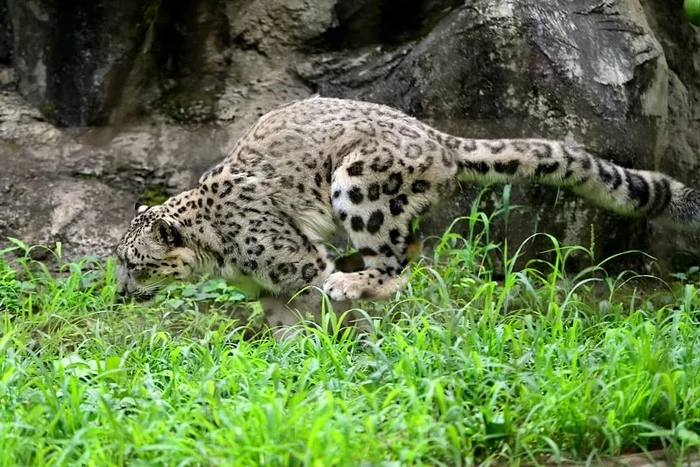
[167, 87]
[681, 155]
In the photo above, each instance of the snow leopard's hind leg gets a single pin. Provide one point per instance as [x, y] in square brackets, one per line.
[377, 202]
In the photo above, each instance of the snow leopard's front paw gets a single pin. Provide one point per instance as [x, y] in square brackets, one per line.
[369, 285]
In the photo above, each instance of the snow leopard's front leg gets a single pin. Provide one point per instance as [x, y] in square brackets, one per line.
[292, 270]
[282, 313]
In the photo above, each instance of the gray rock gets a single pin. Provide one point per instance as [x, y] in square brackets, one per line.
[191, 50]
[8, 78]
[79, 186]
[271, 26]
[75, 60]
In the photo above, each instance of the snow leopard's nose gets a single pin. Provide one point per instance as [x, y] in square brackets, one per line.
[123, 294]
[122, 291]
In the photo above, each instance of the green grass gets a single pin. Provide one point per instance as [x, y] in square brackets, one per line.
[463, 370]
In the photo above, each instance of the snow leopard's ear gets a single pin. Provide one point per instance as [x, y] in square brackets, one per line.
[140, 208]
[166, 233]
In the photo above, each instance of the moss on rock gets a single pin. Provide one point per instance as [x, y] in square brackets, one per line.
[154, 194]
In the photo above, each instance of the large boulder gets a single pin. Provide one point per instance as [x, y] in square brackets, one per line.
[681, 43]
[587, 71]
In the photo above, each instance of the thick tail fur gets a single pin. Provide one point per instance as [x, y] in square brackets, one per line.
[625, 191]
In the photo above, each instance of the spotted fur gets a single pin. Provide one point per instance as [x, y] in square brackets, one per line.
[260, 218]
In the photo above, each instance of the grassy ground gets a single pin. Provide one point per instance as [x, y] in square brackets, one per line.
[463, 370]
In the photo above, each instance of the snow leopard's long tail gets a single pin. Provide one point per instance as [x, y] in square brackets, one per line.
[625, 191]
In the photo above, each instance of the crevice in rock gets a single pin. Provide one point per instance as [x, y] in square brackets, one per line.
[390, 23]
[6, 45]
